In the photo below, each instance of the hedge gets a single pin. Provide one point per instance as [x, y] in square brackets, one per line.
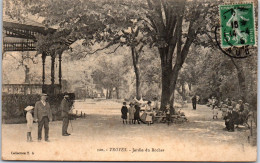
[13, 106]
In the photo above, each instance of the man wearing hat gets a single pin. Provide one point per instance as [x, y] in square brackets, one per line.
[65, 108]
[42, 115]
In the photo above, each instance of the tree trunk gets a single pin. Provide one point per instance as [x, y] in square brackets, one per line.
[135, 59]
[166, 81]
[117, 93]
[110, 94]
[241, 81]
[189, 84]
[107, 94]
[27, 78]
[169, 36]
[183, 92]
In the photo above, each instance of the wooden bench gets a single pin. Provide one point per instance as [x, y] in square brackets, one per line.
[174, 118]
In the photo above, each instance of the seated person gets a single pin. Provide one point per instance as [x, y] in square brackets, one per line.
[229, 120]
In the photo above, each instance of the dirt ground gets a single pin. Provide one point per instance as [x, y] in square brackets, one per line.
[101, 135]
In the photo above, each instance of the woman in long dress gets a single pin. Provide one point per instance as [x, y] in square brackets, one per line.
[149, 111]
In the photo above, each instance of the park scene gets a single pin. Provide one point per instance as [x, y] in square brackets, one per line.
[129, 80]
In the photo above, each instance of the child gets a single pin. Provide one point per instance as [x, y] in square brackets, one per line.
[168, 113]
[215, 112]
[131, 113]
[29, 119]
[149, 116]
[124, 111]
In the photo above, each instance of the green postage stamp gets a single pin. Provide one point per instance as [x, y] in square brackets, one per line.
[237, 25]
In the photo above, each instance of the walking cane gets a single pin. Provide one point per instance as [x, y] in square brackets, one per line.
[72, 107]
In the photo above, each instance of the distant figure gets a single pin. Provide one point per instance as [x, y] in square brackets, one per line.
[228, 102]
[43, 115]
[137, 113]
[194, 102]
[124, 112]
[215, 112]
[214, 102]
[240, 106]
[29, 120]
[65, 108]
[131, 111]
[233, 103]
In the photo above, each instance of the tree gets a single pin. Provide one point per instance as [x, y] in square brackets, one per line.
[109, 74]
[166, 22]
[24, 62]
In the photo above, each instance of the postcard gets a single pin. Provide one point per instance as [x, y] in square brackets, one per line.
[129, 80]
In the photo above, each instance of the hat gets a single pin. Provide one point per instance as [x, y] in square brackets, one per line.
[66, 95]
[44, 94]
[29, 108]
[240, 101]
[247, 104]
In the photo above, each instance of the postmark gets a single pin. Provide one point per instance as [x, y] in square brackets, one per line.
[237, 25]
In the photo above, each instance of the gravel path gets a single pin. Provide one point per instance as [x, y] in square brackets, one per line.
[102, 136]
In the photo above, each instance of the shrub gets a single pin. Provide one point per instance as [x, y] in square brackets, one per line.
[13, 106]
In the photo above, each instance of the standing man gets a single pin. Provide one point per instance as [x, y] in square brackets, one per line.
[194, 101]
[65, 108]
[43, 116]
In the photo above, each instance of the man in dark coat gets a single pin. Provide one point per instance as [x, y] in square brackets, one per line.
[42, 115]
[65, 108]
[194, 102]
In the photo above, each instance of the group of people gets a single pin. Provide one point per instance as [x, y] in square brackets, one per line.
[43, 115]
[235, 114]
[131, 114]
[134, 113]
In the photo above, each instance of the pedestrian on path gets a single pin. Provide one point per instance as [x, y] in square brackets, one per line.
[137, 113]
[43, 115]
[215, 112]
[65, 109]
[194, 102]
[131, 113]
[124, 112]
[29, 119]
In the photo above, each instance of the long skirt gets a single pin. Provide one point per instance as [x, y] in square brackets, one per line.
[149, 118]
